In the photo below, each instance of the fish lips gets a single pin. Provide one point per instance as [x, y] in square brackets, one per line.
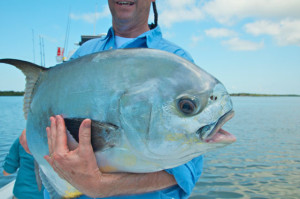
[217, 134]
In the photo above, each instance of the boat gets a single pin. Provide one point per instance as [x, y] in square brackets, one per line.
[6, 192]
[60, 56]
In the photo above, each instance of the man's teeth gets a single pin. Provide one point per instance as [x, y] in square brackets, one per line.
[122, 3]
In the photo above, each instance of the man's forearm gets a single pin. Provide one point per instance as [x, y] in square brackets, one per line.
[129, 183]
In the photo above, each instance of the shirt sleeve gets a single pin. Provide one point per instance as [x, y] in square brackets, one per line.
[173, 48]
[187, 175]
[12, 160]
[89, 47]
[86, 48]
[184, 55]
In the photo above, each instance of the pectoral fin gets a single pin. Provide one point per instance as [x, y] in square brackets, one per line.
[103, 135]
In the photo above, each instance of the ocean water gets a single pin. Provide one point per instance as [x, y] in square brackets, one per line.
[12, 123]
[263, 163]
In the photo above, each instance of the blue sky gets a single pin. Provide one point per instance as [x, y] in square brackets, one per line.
[249, 45]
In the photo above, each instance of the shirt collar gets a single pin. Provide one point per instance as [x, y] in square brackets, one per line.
[151, 37]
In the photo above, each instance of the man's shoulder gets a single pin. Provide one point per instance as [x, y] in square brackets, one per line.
[171, 47]
[89, 47]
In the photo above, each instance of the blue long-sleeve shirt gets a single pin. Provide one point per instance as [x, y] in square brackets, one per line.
[151, 39]
[25, 185]
[186, 175]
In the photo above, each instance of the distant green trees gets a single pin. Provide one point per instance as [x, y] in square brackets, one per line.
[262, 95]
[11, 93]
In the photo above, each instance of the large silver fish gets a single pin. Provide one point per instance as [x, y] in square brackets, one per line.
[150, 110]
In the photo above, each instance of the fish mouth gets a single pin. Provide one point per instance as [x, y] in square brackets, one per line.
[217, 134]
[125, 3]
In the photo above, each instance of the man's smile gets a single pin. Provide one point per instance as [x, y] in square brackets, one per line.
[125, 3]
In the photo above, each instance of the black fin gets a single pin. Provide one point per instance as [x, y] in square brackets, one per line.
[32, 73]
[103, 135]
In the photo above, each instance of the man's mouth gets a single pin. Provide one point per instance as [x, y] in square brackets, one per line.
[125, 3]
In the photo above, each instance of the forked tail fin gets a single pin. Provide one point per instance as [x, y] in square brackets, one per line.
[32, 73]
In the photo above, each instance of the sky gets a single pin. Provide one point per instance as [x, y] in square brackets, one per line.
[251, 46]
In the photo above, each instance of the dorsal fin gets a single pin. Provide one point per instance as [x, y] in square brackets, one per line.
[32, 73]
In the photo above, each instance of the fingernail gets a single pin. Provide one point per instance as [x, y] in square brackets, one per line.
[87, 124]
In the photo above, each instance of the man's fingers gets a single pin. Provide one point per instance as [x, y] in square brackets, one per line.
[61, 136]
[49, 140]
[52, 132]
[85, 137]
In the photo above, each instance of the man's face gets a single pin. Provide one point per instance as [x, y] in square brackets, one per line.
[130, 12]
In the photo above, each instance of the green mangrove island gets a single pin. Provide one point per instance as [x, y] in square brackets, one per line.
[262, 95]
[11, 93]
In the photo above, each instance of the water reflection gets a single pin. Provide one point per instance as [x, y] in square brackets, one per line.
[265, 160]
[263, 163]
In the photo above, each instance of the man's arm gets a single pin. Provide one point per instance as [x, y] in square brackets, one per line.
[79, 167]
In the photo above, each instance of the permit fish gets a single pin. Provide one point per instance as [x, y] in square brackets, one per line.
[151, 110]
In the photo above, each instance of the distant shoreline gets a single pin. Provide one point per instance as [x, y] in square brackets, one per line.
[11, 93]
[262, 95]
[21, 93]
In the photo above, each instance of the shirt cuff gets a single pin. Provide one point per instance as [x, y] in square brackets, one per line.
[9, 169]
[188, 174]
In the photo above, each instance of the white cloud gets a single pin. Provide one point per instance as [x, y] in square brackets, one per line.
[220, 32]
[242, 45]
[91, 17]
[262, 27]
[279, 19]
[226, 11]
[285, 32]
[173, 11]
[231, 11]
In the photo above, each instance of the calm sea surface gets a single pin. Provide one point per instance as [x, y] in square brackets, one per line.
[263, 163]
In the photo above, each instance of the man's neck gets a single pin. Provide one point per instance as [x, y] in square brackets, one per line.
[130, 32]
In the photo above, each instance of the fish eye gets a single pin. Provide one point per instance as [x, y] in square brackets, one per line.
[187, 106]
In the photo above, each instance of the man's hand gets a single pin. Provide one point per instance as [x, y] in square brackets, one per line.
[79, 167]
[23, 141]
[5, 173]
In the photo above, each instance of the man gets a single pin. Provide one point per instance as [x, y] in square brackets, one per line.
[130, 29]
